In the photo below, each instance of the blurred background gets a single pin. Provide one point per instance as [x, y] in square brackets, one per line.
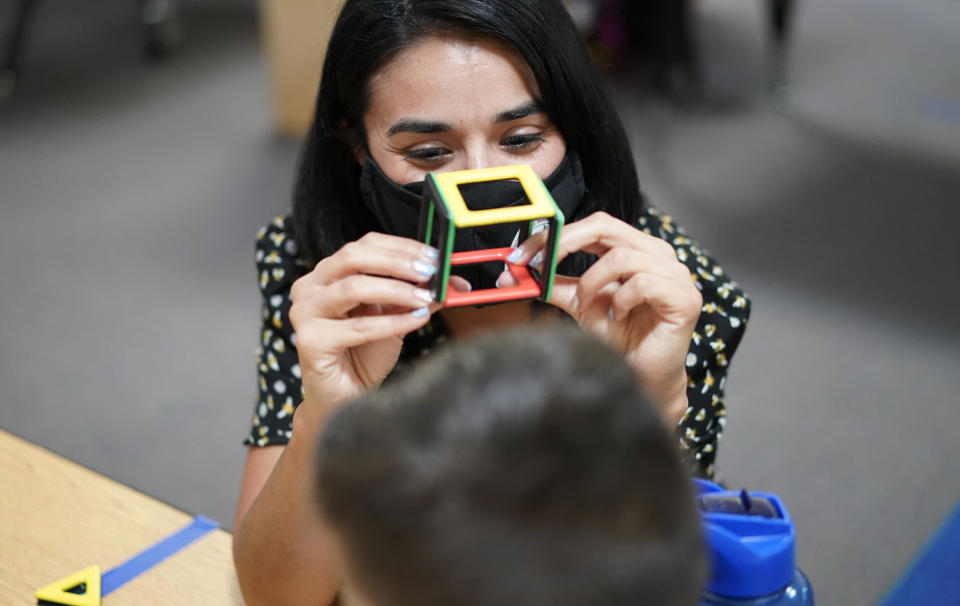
[812, 146]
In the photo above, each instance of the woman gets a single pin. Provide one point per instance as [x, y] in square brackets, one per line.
[411, 86]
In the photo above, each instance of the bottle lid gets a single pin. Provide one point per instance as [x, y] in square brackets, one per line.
[750, 538]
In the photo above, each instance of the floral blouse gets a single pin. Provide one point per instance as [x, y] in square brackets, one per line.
[722, 322]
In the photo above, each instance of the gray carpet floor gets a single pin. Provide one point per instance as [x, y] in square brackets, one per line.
[130, 193]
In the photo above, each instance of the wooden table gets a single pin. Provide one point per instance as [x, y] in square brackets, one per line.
[57, 517]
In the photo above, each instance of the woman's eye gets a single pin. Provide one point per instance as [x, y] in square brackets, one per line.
[522, 142]
[427, 154]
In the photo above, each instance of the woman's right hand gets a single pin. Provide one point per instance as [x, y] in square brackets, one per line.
[351, 312]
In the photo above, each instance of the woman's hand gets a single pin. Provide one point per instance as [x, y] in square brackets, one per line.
[351, 312]
[637, 296]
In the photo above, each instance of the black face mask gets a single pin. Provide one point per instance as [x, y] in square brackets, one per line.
[397, 209]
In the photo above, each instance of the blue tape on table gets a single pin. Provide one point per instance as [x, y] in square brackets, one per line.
[150, 557]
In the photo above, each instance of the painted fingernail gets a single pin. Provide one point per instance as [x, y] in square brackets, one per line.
[431, 253]
[424, 295]
[611, 315]
[420, 313]
[424, 269]
[515, 255]
[537, 261]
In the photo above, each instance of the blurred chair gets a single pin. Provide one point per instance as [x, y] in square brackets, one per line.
[662, 32]
[159, 22]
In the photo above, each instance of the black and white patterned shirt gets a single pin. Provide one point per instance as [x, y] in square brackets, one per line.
[722, 322]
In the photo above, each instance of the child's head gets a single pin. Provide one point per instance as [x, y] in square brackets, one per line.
[520, 469]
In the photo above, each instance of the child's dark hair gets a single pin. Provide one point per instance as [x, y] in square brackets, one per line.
[521, 469]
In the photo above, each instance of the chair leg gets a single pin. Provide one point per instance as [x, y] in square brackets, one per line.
[160, 22]
[10, 66]
[780, 15]
[779, 21]
[688, 56]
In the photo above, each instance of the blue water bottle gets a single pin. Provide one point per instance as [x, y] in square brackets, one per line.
[750, 539]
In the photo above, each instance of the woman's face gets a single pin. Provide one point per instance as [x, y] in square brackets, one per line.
[453, 104]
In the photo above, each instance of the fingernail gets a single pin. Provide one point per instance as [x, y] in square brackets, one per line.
[424, 269]
[431, 253]
[424, 295]
[611, 315]
[537, 261]
[575, 302]
[515, 255]
[420, 313]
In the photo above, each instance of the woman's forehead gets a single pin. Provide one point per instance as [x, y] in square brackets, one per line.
[450, 78]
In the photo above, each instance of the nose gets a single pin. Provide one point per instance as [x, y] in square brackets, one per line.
[477, 155]
[477, 159]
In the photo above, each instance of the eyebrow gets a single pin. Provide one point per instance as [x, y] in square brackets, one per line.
[426, 127]
[523, 110]
[420, 127]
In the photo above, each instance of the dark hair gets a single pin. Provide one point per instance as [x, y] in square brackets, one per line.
[521, 468]
[328, 210]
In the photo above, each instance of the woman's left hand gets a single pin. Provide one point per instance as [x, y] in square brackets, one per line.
[638, 297]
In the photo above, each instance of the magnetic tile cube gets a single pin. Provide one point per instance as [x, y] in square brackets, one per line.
[443, 209]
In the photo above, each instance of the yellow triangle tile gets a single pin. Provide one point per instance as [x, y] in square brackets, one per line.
[58, 591]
